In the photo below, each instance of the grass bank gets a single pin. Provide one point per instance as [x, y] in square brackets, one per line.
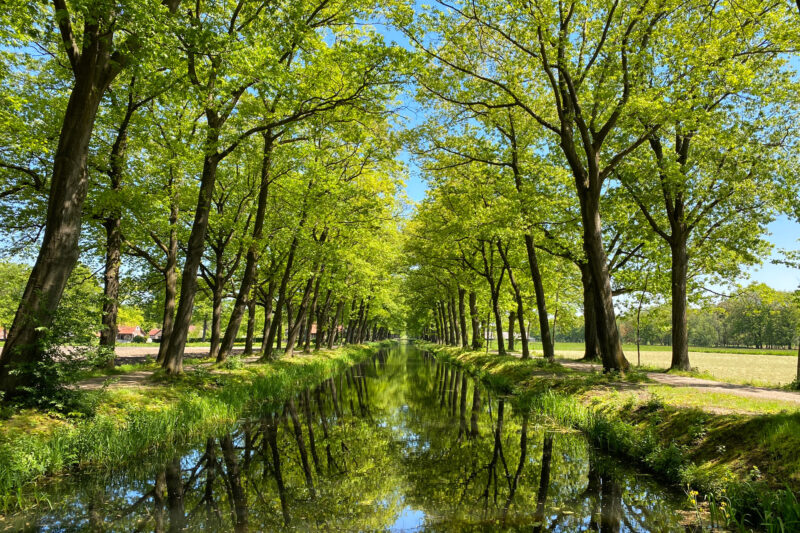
[737, 458]
[126, 422]
[763, 368]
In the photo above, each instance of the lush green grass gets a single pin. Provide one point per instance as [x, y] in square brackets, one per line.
[740, 451]
[131, 421]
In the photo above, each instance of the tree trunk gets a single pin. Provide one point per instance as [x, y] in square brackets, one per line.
[680, 331]
[473, 314]
[170, 285]
[462, 317]
[354, 327]
[216, 314]
[251, 260]
[59, 252]
[544, 481]
[362, 327]
[451, 317]
[108, 332]
[175, 496]
[251, 326]
[268, 303]
[512, 317]
[312, 313]
[335, 325]
[445, 337]
[280, 329]
[111, 223]
[608, 334]
[291, 337]
[498, 320]
[322, 319]
[173, 363]
[592, 346]
[275, 330]
[238, 494]
[301, 446]
[548, 348]
[456, 324]
[271, 436]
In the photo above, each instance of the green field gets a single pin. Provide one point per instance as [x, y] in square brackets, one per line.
[769, 368]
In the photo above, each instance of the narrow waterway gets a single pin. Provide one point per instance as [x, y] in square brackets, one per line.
[399, 442]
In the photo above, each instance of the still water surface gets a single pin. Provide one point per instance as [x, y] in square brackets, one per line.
[399, 443]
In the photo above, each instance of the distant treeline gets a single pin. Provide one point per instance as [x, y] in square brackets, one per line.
[756, 316]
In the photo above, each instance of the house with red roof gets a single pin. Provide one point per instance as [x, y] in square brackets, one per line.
[127, 333]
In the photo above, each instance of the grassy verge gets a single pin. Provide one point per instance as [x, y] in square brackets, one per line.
[130, 421]
[737, 458]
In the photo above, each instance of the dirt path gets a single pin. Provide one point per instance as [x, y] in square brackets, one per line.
[701, 385]
[128, 355]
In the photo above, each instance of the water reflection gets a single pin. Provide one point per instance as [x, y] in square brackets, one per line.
[398, 442]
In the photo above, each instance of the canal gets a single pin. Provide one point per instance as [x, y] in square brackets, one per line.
[399, 442]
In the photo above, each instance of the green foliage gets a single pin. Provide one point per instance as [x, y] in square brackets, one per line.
[756, 316]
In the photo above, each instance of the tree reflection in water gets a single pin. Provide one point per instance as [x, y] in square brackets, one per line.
[422, 445]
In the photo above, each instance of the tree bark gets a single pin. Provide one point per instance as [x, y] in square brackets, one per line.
[451, 315]
[170, 283]
[322, 319]
[291, 337]
[512, 317]
[175, 496]
[251, 260]
[592, 346]
[462, 317]
[544, 481]
[59, 252]
[234, 475]
[498, 320]
[268, 303]
[312, 313]
[173, 363]
[608, 334]
[362, 327]
[271, 436]
[251, 326]
[445, 338]
[108, 331]
[680, 331]
[216, 316]
[301, 446]
[473, 314]
[548, 347]
[275, 329]
[334, 332]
